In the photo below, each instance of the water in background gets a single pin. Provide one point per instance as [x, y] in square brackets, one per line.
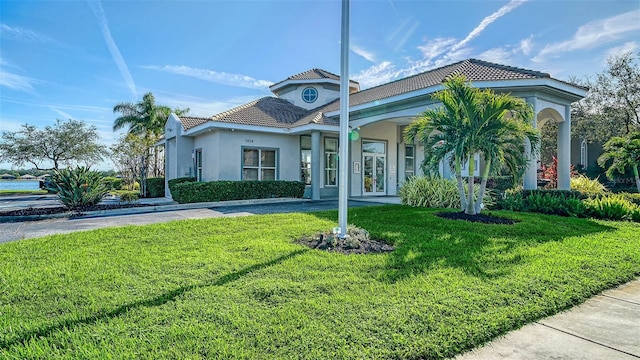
[19, 185]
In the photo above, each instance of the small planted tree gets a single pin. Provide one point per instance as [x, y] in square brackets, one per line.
[474, 121]
[78, 188]
[620, 154]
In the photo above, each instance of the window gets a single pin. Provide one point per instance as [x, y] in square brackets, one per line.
[198, 159]
[258, 164]
[305, 159]
[409, 161]
[330, 162]
[583, 153]
[309, 94]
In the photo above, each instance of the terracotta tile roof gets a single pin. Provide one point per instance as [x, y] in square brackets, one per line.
[267, 111]
[472, 69]
[279, 113]
[189, 122]
[313, 74]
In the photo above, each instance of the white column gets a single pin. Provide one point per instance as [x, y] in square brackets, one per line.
[564, 151]
[531, 173]
[315, 165]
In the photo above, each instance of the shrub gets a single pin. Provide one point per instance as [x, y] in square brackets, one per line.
[112, 183]
[190, 192]
[129, 196]
[589, 187]
[180, 180]
[435, 192]
[79, 187]
[545, 201]
[612, 207]
[155, 187]
[633, 197]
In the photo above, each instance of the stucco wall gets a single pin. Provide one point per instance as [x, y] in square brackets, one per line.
[208, 143]
[324, 96]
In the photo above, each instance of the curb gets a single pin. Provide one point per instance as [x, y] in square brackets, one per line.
[148, 209]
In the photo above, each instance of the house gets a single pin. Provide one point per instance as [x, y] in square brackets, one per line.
[293, 135]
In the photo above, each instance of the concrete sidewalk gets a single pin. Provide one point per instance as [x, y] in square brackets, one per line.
[607, 326]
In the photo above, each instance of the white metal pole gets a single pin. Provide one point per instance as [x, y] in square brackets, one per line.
[343, 192]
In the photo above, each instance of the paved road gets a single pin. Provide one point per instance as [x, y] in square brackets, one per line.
[32, 229]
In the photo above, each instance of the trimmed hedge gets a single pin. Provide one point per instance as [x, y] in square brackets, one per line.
[112, 183]
[155, 187]
[180, 180]
[191, 192]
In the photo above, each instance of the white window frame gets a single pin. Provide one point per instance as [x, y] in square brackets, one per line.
[259, 167]
[327, 155]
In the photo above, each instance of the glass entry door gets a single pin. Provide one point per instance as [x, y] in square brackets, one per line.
[374, 169]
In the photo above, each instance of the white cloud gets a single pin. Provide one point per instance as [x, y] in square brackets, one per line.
[436, 47]
[65, 116]
[16, 82]
[368, 55]
[376, 75]
[630, 46]
[487, 21]
[526, 45]
[213, 76]
[594, 34]
[96, 7]
[201, 107]
[26, 35]
[497, 55]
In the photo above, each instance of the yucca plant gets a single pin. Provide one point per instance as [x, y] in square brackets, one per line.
[79, 187]
[436, 192]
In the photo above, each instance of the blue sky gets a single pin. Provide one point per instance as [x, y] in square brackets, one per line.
[77, 59]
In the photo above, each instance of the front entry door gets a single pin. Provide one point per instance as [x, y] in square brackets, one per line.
[374, 169]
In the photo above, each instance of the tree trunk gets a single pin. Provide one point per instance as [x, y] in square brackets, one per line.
[635, 174]
[483, 186]
[463, 199]
[471, 210]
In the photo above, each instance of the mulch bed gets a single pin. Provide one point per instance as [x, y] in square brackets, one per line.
[481, 218]
[62, 209]
[366, 246]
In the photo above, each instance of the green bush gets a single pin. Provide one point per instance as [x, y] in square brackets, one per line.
[129, 196]
[500, 183]
[612, 207]
[435, 192]
[155, 187]
[544, 201]
[180, 180]
[191, 192]
[633, 197]
[112, 183]
[79, 187]
[586, 186]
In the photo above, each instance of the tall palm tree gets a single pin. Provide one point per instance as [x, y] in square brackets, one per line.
[623, 153]
[145, 119]
[473, 121]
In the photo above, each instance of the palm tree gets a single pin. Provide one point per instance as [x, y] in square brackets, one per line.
[145, 119]
[624, 153]
[473, 121]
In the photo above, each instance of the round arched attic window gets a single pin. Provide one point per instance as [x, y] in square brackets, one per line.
[309, 94]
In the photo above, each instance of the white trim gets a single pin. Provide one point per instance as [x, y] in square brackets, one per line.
[280, 85]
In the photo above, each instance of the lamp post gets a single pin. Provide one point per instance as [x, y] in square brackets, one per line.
[343, 183]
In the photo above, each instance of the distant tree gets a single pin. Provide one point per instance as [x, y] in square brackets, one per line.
[128, 155]
[612, 106]
[620, 154]
[146, 119]
[65, 143]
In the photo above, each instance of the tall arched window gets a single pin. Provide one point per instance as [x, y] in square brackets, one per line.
[583, 153]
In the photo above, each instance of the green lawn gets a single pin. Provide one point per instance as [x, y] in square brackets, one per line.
[241, 288]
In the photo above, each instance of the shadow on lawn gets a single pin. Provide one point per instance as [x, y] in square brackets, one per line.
[424, 241]
[156, 301]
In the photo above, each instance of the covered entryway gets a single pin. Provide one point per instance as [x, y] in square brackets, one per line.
[374, 164]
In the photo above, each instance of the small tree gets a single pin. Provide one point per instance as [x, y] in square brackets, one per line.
[64, 144]
[129, 155]
[473, 121]
[622, 153]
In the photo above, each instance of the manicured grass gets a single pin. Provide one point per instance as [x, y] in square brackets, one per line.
[241, 288]
[22, 192]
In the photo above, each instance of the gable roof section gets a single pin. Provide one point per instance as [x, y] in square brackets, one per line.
[267, 111]
[279, 113]
[313, 74]
[472, 69]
